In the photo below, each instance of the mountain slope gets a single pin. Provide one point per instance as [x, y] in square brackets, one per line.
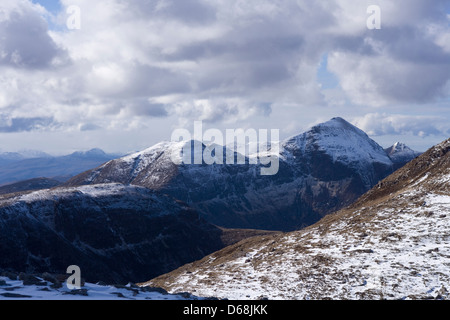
[393, 243]
[320, 171]
[114, 233]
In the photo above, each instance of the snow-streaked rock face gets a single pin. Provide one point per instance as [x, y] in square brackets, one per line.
[320, 171]
[114, 233]
[393, 243]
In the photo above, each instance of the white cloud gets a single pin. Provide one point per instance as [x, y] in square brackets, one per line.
[378, 124]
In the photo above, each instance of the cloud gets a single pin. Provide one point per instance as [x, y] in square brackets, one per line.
[404, 62]
[145, 108]
[226, 60]
[25, 42]
[216, 110]
[88, 127]
[195, 12]
[26, 124]
[383, 80]
[378, 124]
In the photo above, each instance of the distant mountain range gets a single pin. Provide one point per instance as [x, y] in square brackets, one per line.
[19, 166]
[393, 243]
[320, 171]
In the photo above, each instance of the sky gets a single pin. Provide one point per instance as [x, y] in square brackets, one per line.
[123, 75]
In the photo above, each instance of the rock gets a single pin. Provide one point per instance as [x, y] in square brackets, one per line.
[154, 289]
[11, 275]
[77, 292]
[30, 280]
[14, 295]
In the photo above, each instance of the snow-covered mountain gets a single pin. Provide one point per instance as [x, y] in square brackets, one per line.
[320, 171]
[393, 243]
[114, 233]
[401, 154]
[343, 150]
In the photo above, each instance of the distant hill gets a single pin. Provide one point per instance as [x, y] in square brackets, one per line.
[20, 166]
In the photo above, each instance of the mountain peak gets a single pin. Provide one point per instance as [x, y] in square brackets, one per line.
[96, 152]
[400, 146]
[338, 122]
[401, 154]
[341, 140]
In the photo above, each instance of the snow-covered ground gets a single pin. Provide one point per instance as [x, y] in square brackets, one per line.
[398, 249]
[16, 290]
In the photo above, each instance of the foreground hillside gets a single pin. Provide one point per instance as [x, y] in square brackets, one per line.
[393, 243]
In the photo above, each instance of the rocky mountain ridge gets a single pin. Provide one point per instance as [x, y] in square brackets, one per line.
[320, 171]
